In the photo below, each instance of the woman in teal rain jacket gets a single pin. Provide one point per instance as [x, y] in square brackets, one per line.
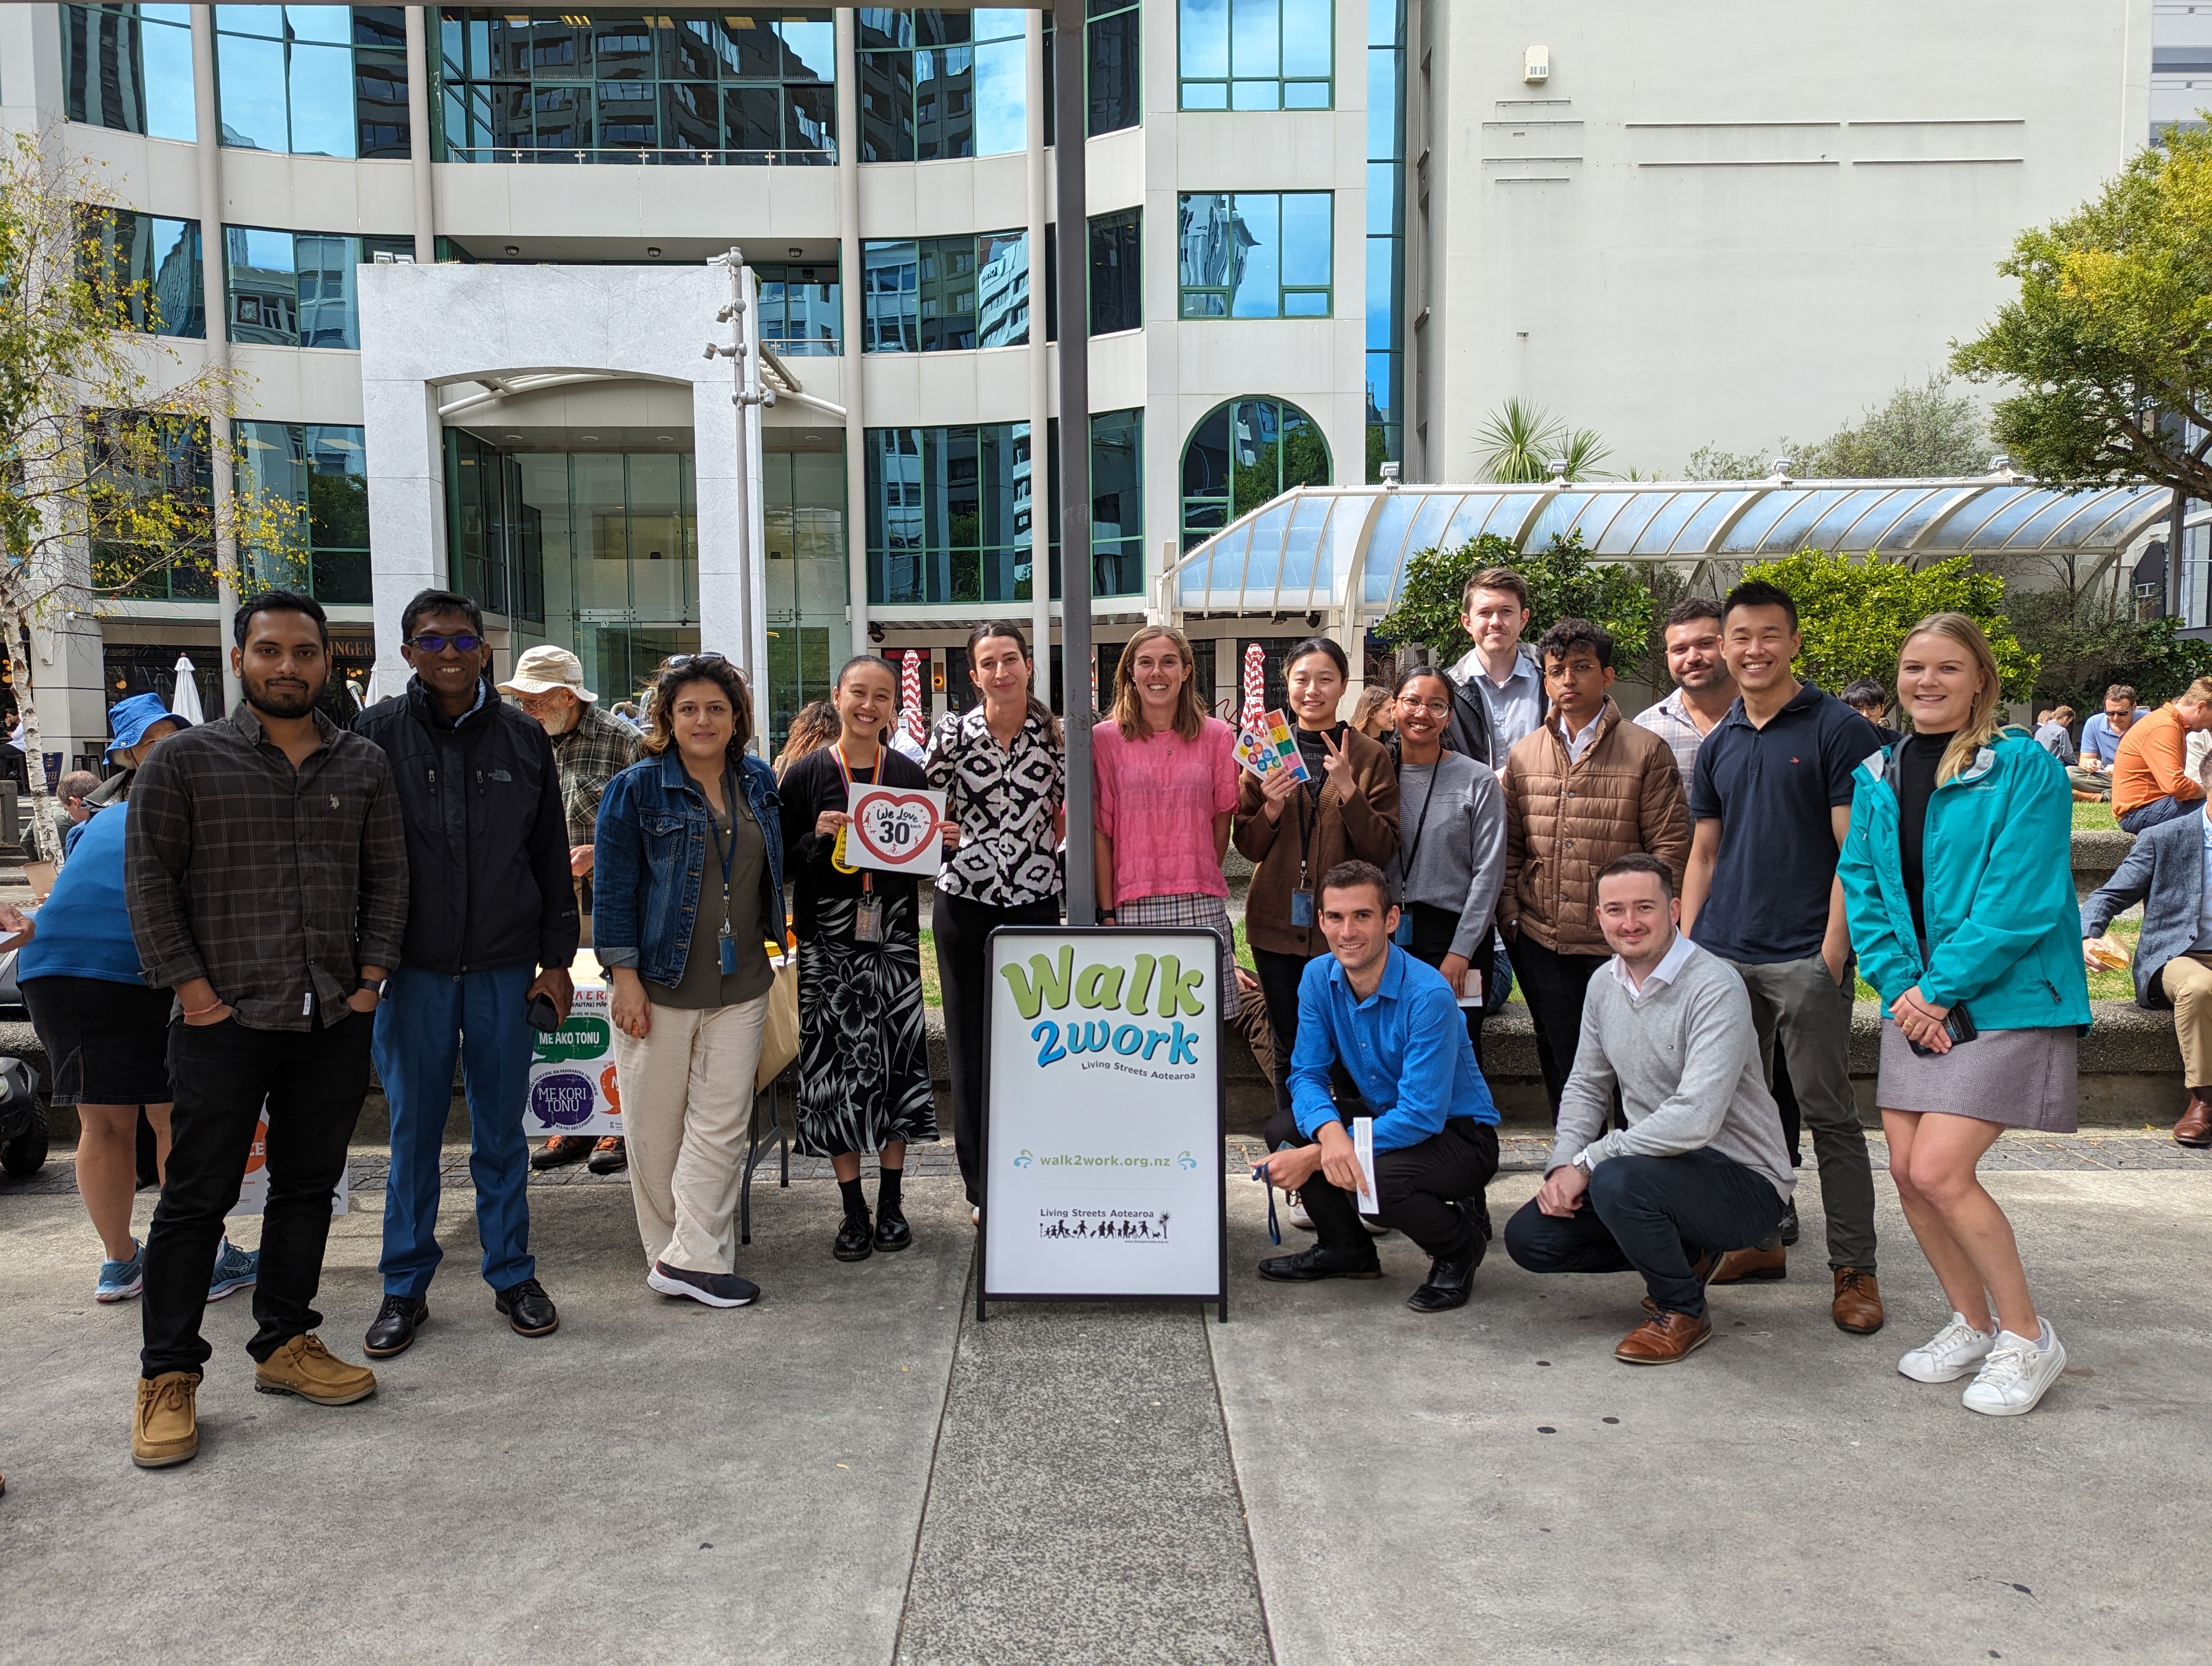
[1959, 882]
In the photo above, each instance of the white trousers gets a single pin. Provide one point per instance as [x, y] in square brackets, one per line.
[687, 1100]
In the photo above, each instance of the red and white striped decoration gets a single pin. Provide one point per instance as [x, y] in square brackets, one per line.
[910, 718]
[1255, 687]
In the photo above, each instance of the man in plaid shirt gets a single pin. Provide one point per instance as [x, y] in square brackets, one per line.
[590, 749]
[265, 870]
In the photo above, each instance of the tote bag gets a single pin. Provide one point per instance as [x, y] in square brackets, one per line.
[780, 1036]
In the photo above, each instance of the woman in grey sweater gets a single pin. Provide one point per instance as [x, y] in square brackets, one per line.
[1451, 846]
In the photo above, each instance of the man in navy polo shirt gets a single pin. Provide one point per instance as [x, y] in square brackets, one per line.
[1772, 800]
[1394, 1027]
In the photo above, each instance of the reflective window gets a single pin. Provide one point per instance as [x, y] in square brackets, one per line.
[1386, 234]
[723, 88]
[808, 580]
[1255, 254]
[1244, 453]
[1256, 54]
[136, 456]
[130, 68]
[936, 84]
[938, 295]
[1116, 272]
[147, 268]
[297, 289]
[1113, 70]
[322, 468]
[948, 512]
[319, 80]
[802, 308]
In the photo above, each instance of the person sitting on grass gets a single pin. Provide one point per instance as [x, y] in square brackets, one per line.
[1700, 1169]
[1394, 1027]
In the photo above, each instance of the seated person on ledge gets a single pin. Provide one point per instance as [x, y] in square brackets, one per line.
[1700, 1169]
[1393, 1026]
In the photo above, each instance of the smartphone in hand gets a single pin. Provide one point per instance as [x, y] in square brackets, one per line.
[544, 1014]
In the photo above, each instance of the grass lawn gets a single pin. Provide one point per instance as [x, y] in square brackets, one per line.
[2095, 817]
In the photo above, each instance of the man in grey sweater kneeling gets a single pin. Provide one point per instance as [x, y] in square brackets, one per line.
[1700, 1169]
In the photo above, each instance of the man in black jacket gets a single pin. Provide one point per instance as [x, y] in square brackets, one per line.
[491, 904]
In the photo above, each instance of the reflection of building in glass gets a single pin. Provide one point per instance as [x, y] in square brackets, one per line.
[1002, 291]
[1214, 243]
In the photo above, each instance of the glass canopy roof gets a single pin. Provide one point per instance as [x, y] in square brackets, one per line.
[1333, 547]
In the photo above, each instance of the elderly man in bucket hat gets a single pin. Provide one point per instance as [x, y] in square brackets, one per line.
[590, 749]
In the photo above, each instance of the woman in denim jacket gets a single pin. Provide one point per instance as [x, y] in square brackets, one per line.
[688, 869]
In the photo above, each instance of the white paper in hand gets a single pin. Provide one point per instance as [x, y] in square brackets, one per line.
[893, 830]
[1363, 1146]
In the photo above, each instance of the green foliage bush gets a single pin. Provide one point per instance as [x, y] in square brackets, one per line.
[1854, 615]
[1563, 583]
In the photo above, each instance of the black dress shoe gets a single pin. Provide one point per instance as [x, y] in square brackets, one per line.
[528, 1309]
[855, 1240]
[393, 1329]
[1788, 1225]
[892, 1233]
[1309, 1265]
[1447, 1285]
[1476, 1208]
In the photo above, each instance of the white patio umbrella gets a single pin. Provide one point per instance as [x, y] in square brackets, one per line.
[186, 702]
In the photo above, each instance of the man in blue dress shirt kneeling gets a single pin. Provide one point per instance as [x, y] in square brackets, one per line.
[1394, 1027]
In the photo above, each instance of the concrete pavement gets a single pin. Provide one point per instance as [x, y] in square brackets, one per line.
[854, 1471]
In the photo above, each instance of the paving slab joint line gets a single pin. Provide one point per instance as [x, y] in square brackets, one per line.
[936, 1444]
[1208, 1323]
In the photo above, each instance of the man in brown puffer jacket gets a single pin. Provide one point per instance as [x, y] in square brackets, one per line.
[1586, 787]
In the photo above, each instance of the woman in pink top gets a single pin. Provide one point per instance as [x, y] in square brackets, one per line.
[1171, 771]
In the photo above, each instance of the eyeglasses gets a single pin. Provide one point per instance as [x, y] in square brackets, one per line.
[430, 641]
[683, 661]
[1435, 707]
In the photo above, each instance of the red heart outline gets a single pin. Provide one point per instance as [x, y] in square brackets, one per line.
[895, 801]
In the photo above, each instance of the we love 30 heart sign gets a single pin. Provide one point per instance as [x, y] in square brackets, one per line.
[893, 830]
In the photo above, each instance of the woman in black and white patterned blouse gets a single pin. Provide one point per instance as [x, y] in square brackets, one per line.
[1002, 766]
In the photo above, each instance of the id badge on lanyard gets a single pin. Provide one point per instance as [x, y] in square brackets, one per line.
[1403, 937]
[724, 941]
[868, 913]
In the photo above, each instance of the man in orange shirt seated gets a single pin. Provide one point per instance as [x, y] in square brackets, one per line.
[2151, 782]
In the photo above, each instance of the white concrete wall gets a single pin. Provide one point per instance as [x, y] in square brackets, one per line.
[1722, 222]
[424, 328]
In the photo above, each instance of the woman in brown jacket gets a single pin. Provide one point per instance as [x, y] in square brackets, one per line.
[1295, 831]
[1587, 787]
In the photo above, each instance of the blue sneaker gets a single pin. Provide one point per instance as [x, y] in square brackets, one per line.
[234, 1270]
[119, 1280]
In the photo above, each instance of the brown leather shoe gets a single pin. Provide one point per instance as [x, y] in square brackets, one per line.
[2195, 1127]
[1743, 1265]
[1858, 1306]
[1664, 1338]
[165, 1429]
[305, 1367]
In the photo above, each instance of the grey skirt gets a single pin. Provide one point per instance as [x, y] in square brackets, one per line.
[2022, 1079]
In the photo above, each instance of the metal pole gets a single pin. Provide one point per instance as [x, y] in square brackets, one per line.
[216, 304]
[418, 137]
[850, 379]
[1072, 115]
[1041, 512]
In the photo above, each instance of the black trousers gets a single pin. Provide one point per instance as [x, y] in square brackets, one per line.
[313, 1081]
[963, 929]
[1433, 931]
[1785, 1101]
[1651, 1215]
[1278, 976]
[1552, 985]
[1418, 1188]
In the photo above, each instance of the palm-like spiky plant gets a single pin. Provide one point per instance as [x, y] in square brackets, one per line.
[1519, 441]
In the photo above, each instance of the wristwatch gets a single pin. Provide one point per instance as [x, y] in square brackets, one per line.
[375, 983]
[1583, 1161]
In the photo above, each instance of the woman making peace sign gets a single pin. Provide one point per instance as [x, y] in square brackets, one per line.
[1295, 831]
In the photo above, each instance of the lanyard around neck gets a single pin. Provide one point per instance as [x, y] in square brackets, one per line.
[845, 774]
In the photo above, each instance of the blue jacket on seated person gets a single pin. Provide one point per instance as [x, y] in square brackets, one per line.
[1405, 1048]
[2164, 872]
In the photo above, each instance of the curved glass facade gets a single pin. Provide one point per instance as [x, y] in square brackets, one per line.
[1244, 453]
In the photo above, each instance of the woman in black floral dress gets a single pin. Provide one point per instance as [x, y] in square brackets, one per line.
[863, 1056]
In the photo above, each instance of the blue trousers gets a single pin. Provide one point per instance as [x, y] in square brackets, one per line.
[425, 1019]
[2145, 816]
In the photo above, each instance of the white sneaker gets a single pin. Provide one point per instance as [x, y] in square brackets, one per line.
[1953, 1352]
[2016, 1375]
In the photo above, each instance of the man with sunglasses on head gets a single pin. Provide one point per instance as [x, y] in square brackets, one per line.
[491, 932]
[590, 749]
